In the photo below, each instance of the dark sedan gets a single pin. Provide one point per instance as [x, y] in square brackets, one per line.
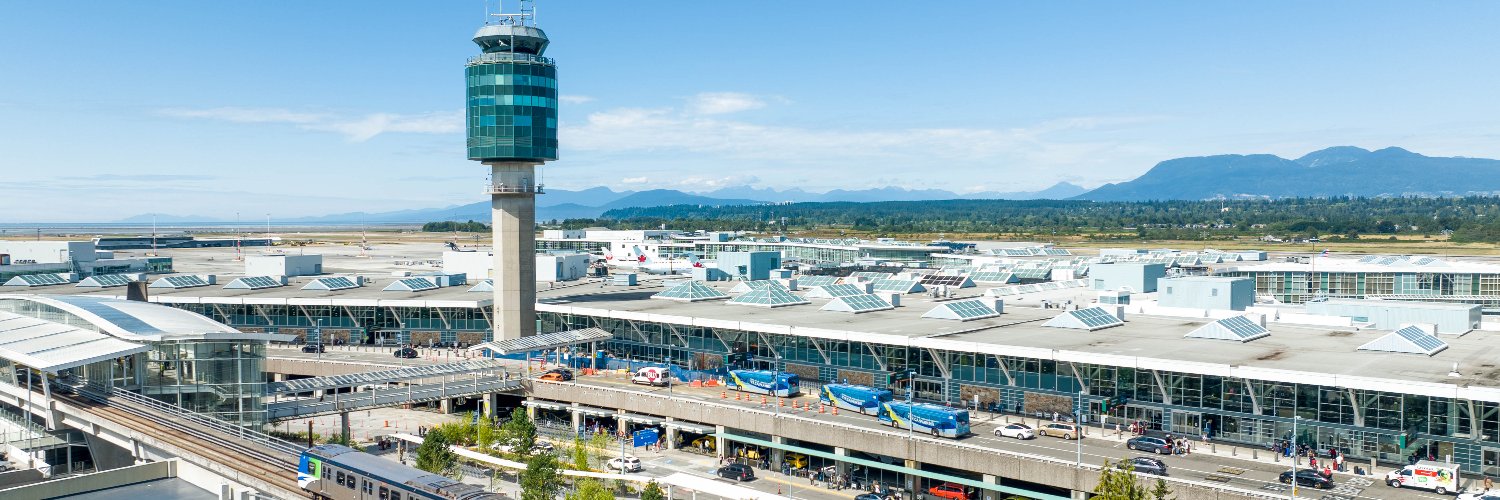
[1308, 477]
[1150, 444]
[1148, 465]
[406, 352]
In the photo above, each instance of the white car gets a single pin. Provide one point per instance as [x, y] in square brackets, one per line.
[624, 464]
[1018, 431]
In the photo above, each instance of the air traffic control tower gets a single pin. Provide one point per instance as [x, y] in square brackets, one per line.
[512, 124]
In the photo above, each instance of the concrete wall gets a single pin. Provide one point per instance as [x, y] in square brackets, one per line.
[284, 265]
[561, 267]
[1391, 314]
[1034, 468]
[749, 265]
[1207, 292]
[49, 252]
[1138, 277]
[93, 482]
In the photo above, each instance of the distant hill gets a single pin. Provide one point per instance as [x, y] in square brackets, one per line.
[1336, 171]
[1061, 190]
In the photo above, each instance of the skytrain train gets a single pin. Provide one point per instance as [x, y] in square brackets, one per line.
[338, 472]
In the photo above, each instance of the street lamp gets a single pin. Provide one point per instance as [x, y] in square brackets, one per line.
[1078, 425]
[911, 386]
[318, 330]
[1295, 456]
[776, 382]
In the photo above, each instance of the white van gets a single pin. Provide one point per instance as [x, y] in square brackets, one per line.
[652, 375]
[1439, 477]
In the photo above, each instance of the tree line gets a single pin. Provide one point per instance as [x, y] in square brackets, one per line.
[1465, 219]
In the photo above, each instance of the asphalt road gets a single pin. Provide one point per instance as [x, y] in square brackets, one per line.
[1235, 471]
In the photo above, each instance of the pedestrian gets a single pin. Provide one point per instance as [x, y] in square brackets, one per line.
[1338, 462]
[1488, 483]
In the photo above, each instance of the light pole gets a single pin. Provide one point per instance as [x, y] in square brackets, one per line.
[1295, 455]
[911, 386]
[318, 330]
[776, 382]
[1078, 425]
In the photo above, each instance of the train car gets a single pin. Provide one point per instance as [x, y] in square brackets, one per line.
[338, 472]
[765, 382]
[922, 417]
[860, 398]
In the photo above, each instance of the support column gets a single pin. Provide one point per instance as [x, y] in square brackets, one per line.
[671, 435]
[278, 377]
[777, 454]
[621, 426]
[445, 406]
[990, 494]
[513, 204]
[344, 426]
[719, 441]
[1079, 495]
[577, 419]
[911, 480]
[841, 466]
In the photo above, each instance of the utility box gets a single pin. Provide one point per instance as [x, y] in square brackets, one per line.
[1133, 276]
[283, 265]
[1206, 292]
[561, 266]
[749, 266]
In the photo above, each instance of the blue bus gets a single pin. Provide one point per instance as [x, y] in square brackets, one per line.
[760, 382]
[860, 398]
[936, 420]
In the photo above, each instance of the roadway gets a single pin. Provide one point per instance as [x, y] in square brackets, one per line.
[1237, 470]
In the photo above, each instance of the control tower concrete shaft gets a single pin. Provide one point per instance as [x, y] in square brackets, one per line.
[512, 129]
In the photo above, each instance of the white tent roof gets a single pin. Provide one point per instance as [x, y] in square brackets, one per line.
[52, 347]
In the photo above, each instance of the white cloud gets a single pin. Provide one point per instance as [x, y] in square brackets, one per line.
[575, 99]
[356, 129]
[711, 183]
[635, 180]
[245, 115]
[718, 103]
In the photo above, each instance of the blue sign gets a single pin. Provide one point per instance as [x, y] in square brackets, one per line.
[645, 437]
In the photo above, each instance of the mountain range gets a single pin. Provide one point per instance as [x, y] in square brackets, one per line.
[591, 202]
[1336, 171]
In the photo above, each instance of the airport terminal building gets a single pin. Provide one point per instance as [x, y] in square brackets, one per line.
[1383, 394]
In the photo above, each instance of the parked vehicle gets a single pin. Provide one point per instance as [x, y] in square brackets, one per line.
[653, 375]
[1151, 444]
[562, 374]
[860, 398]
[405, 352]
[765, 382]
[929, 418]
[737, 472]
[1148, 465]
[950, 491]
[1439, 477]
[624, 464]
[1060, 429]
[796, 460]
[1018, 431]
[313, 348]
[1308, 477]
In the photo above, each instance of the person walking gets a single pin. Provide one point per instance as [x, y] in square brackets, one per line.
[1488, 483]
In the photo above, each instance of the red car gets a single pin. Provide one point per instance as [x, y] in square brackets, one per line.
[950, 491]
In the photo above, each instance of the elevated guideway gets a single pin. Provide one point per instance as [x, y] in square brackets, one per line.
[489, 367]
[245, 460]
[394, 396]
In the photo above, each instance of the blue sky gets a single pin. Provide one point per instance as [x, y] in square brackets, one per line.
[112, 109]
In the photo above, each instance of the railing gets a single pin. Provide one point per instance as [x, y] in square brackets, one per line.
[499, 57]
[163, 409]
[502, 188]
[387, 397]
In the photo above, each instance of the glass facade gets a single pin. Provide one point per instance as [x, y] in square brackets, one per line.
[221, 378]
[1383, 425]
[512, 110]
[1296, 287]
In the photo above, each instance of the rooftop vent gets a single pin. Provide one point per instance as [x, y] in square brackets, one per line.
[1093, 318]
[1237, 328]
[1407, 340]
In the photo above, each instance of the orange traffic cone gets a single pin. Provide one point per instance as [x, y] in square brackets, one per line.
[723, 394]
[736, 396]
[835, 410]
[764, 401]
[822, 409]
[782, 402]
